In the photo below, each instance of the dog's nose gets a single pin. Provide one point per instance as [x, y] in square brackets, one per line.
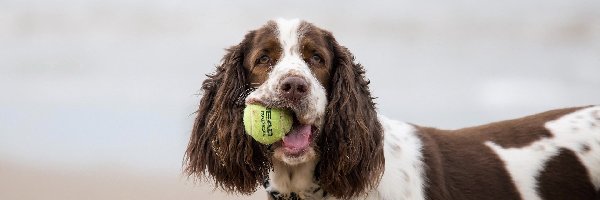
[293, 88]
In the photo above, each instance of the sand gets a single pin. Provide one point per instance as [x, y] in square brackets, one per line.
[24, 183]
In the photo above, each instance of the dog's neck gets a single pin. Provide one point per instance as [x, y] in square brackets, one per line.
[293, 181]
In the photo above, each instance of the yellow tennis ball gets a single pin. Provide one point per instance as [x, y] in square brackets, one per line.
[267, 125]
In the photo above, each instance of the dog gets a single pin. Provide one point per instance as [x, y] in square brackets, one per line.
[341, 148]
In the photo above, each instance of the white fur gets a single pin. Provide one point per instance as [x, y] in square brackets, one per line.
[301, 180]
[403, 177]
[524, 165]
[571, 132]
[575, 130]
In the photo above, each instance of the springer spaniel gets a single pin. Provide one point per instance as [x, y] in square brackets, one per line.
[340, 148]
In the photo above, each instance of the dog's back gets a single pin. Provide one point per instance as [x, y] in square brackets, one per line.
[551, 155]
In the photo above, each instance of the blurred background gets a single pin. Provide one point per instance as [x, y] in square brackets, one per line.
[97, 97]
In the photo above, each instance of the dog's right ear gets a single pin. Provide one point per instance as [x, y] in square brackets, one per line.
[219, 148]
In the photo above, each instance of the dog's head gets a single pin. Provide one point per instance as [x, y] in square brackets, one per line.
[294, 65]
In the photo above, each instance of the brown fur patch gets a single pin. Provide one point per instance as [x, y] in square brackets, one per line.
[517, 132]
[565, 177]
[459, 167]
[313, 42]
[264, 43]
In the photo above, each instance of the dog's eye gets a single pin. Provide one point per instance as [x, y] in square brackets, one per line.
[316, 58]
[263, 59]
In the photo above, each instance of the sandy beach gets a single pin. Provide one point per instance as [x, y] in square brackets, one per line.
[18, 182]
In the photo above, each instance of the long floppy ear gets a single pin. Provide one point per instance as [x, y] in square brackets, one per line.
[218, 147]
[352, 138]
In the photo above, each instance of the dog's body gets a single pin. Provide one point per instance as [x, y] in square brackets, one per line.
[551, 155]
[340, 148]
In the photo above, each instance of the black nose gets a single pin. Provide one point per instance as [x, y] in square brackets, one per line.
[293, 88]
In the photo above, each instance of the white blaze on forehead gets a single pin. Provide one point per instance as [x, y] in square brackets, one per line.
[288, 35]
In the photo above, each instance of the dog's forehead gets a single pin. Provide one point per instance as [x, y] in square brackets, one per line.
[288, 35]
[287, 26]
[293, 31]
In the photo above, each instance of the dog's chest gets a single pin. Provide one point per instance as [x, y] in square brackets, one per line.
[293, 183]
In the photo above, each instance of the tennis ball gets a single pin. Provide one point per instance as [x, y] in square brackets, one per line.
[267, 125]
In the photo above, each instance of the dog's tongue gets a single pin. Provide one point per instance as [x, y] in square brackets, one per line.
[298, 138]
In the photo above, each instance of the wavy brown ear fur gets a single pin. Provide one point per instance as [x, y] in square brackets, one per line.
[218, 144]
[351, 141]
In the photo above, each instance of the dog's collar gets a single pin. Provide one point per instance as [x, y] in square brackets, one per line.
[313, 193]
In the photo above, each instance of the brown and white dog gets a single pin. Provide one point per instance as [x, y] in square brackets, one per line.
[340, 148]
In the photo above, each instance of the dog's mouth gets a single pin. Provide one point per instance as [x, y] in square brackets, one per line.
[298, 139]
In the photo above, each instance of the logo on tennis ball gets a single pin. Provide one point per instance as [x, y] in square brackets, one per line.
[267, 125]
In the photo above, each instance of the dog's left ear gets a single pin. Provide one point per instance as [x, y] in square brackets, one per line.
[351, 143]
[219, 148]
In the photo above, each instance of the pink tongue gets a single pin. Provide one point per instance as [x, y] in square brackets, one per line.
[298, 137]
